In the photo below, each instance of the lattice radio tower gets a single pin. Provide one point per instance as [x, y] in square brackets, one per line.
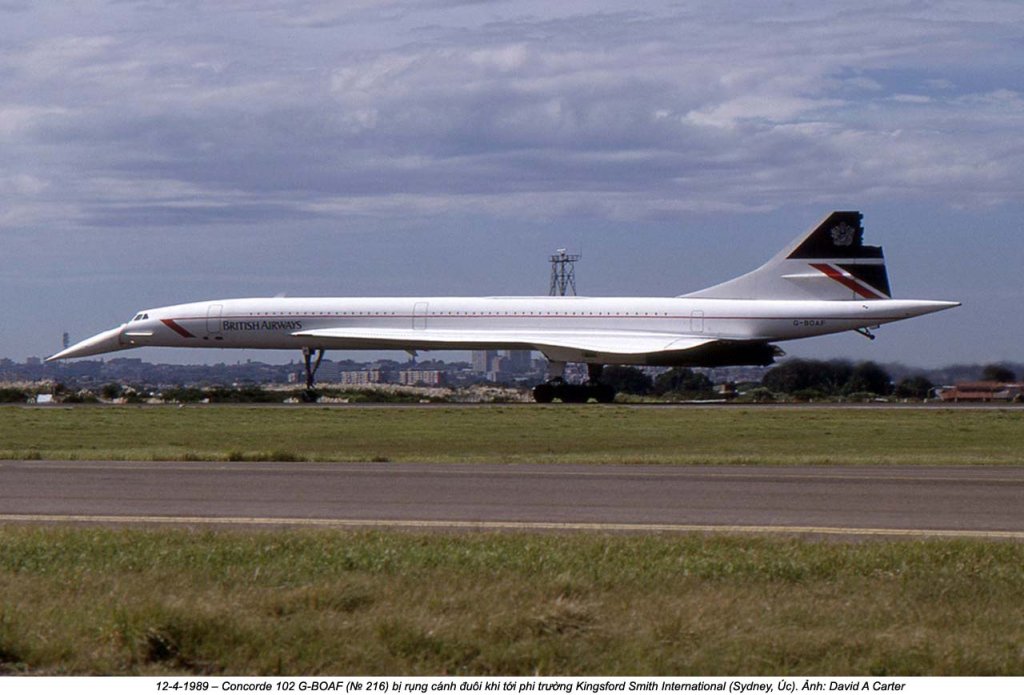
[563, 273]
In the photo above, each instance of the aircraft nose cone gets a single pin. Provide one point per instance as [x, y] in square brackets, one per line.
[107, 341]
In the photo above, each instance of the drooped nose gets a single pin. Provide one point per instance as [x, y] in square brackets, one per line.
[107, 341]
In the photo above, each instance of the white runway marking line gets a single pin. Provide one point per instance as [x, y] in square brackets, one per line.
[508, 525]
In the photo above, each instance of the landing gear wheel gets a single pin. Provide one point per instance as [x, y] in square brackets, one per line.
[604, 393]
[573, 393]
[543, 393]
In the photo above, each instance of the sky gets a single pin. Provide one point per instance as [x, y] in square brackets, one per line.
[154, 152]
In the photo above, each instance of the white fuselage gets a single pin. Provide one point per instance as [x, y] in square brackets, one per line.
[826, 281]
[271, 323]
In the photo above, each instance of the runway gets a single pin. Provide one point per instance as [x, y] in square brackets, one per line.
[982, 502]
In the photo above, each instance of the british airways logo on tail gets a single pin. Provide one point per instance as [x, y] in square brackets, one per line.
[843, 234]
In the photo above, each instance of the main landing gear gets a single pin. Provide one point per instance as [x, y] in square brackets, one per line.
[310, 394]
[557, 387]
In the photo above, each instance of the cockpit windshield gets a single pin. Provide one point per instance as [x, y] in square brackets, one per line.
[140, 317]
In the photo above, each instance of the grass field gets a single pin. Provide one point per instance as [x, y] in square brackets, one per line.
[136, 601]
[613, 434]
[100, 601]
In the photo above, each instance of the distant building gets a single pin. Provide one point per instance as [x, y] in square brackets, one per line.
[726, 390]
[362, 377]
[518, 360]
[981, 391]
[483, 360]
[421, 377]
[502, 365]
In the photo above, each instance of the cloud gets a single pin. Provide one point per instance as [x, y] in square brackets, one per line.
[158, 113]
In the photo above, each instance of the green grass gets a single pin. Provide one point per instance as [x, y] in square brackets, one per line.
[609, 434]
[101, 601]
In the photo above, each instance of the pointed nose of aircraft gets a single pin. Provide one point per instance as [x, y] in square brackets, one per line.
[107, 341]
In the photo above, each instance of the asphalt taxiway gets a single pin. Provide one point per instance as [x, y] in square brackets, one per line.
[984, 502]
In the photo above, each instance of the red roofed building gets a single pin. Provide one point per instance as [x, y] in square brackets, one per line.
[981, 391]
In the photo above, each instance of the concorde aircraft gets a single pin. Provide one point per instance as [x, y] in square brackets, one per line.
[826, 281]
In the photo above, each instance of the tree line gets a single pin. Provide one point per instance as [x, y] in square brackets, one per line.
[679, 382]
[800, 378]
[807, 379]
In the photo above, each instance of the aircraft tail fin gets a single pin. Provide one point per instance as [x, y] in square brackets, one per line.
[828, 262]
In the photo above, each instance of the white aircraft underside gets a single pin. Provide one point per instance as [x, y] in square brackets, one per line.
[826, 281]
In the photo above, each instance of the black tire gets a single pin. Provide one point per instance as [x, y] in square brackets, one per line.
[604, 393]
[543, 393]
[572, 393]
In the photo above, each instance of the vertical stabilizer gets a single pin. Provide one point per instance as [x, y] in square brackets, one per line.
[829, 262]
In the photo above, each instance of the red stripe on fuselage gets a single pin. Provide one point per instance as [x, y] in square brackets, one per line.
[176, 328]
[846, 281]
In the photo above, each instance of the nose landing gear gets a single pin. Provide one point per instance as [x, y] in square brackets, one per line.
[310, 394]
